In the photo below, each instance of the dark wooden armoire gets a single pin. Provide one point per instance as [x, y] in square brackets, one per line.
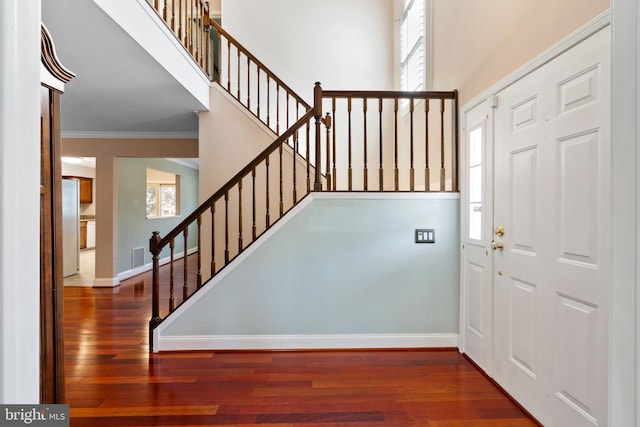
[54, 76]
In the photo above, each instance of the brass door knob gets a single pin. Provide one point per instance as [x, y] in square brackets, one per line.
[500, 230]
[497, 245]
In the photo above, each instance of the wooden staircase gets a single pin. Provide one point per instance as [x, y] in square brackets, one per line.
[346, 141]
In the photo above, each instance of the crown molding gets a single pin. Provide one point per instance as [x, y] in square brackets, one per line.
[129, 135]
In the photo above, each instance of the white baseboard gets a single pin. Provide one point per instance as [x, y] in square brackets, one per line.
[147, 267]
[304, 342]
[106, 282]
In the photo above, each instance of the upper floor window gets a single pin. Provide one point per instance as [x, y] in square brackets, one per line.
[412, 46]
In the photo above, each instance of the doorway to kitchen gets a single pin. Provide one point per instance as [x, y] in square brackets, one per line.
[79, 220]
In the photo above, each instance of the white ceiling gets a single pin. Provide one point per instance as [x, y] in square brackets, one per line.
[118, 86]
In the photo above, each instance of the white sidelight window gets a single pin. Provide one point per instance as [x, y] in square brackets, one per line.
[476, 154]
[412, 46]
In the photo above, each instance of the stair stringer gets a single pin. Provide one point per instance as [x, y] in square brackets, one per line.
[420, 310]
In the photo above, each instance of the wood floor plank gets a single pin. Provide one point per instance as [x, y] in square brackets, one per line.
[112, 380]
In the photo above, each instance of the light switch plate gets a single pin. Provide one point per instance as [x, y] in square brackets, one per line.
[425, 235]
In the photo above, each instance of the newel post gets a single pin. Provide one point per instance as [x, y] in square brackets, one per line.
[317, 113]
[154, 248]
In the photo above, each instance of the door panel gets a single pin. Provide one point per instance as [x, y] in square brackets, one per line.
[551, 195]
[477, 232]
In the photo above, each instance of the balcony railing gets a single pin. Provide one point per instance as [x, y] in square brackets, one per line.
[191, 23]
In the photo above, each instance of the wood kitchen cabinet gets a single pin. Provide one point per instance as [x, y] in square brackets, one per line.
[86, 190]
[83, 234]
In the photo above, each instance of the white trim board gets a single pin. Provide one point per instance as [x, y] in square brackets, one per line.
[124, 275]
[106, 282]
[307, 342]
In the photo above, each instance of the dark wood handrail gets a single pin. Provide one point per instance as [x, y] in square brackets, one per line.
[388, 94]
[260, 65]
[206, 205]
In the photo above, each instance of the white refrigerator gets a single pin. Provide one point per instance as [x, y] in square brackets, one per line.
[70, 226]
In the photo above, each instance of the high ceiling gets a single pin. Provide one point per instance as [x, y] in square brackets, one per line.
[119, 87]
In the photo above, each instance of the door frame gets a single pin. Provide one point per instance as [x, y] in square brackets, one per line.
[624, 342]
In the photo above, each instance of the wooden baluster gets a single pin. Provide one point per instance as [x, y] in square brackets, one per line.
[208, 56]
[297, 110]
[180, 21]
[427, 172]
[172, 300]
[350, 171]
[194, 30]
[454, 141]
[268, 100]
[281, 182]
[226, 228]
[295, 151]
[308, 156]
[395, 144]
[335, 171]
[268, 210]
[173, 16]
[317, 114]
[196, 23]
[238, 82]
[213, 239]
[327, 123]
[189, 19]
[248, 83]
[258, 68]
[277, 107]
[228, 65]
[253, 204]
[365, 172]
[164, 10]
[219, 41]
[287, 109]
[381, 169]
[411, 170]
[240, 243]
[442, 169]
[185, 287]
[199, 273]
[201, 34]
[154, 248]
[156, 5]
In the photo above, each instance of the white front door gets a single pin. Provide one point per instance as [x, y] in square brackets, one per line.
[477, 220]
[551, 195]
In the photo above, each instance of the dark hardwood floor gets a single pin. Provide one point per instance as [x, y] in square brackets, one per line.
[112, 380]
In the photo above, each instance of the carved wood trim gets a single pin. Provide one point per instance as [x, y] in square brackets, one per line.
[50, 58]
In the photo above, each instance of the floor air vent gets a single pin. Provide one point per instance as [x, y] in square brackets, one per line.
[137, 257]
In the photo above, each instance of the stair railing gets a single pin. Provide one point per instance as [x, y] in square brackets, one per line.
[391, 141]
[253, 84]
[190, 22]
[235, 216]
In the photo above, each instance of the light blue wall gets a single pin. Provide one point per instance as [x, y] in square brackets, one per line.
[134, 229]
[341, 267]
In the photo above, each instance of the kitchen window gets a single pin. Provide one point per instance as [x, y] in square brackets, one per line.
[162, 194]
